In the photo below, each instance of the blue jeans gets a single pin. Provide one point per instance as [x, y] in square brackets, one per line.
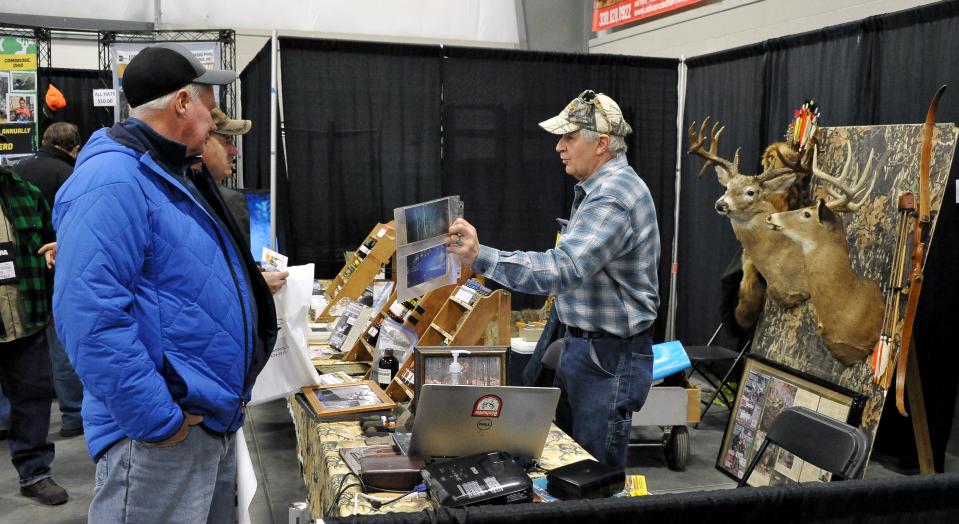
[193, 481]
[25, 379]
[65, 382]
[603, 381]
[4, 411]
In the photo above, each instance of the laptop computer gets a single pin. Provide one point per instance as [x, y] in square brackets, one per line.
[452, 421]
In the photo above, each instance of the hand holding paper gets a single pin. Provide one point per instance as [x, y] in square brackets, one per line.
[463, 241]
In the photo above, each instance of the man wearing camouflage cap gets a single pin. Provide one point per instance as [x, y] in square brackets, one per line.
[603, 273]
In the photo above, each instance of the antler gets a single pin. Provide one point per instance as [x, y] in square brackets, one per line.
[697, 140]
[773, 172]
[846, 196]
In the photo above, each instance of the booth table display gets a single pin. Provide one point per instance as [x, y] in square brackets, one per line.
[318, 444]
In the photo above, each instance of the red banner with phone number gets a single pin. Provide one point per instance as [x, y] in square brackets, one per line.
[607, 14]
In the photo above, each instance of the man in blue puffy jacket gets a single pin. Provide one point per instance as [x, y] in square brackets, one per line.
[162, 312]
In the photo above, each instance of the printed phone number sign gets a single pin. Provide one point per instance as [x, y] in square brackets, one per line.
[607, 14]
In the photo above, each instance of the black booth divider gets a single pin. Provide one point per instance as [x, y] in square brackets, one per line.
[364, 123]
[891, 500]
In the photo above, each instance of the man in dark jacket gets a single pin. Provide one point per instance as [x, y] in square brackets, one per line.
[163, 314]
[48, 170]
[53, 163]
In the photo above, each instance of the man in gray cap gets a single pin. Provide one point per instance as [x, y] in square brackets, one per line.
[161, 311]
[603, 273]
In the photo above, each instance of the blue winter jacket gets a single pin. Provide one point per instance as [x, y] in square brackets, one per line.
[154, 300]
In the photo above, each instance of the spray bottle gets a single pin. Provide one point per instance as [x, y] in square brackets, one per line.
[455, 366]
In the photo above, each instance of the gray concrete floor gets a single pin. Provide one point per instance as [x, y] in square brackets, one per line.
[280, 483]
[278, 476]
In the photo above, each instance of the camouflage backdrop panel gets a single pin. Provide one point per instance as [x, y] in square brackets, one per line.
[789, 337]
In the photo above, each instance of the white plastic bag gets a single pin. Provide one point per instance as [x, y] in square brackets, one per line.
[289, 367]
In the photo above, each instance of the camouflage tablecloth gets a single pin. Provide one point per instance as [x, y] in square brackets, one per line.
[318, 444]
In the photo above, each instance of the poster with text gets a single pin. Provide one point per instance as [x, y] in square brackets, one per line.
[18, 97]
[208, 53]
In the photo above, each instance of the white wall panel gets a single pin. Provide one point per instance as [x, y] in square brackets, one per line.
[725, 24]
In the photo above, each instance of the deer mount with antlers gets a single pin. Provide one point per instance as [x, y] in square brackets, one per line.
[849, 308]
[748, 202]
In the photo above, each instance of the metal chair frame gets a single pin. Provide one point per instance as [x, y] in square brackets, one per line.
[831, 445]
[701, 355]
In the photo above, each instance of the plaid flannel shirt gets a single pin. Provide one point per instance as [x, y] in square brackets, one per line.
[603, 272]
[28, 212]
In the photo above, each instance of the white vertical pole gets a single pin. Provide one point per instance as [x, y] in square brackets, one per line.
[240, 183]
[674, 267]
[273, 102]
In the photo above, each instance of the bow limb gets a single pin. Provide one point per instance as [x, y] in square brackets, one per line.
[916, 278]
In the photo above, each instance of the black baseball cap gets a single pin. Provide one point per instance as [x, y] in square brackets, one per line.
[163, 68]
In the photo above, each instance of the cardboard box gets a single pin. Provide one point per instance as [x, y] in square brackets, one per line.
[693, 406]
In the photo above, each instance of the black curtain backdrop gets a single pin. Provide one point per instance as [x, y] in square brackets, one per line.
[730, 92]
[362, 135]
[365, 123]
[77, 86]
[881, 70]
[506, 168]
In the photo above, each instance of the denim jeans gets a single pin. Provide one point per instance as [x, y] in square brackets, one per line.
[4, 411]
[25, 379]
[603, 381]
[65, 382]
[193, 481]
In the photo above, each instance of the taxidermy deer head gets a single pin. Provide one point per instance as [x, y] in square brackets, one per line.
[747, 202]
[849, 308]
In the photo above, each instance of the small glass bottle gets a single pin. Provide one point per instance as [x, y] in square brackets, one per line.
[387, 368]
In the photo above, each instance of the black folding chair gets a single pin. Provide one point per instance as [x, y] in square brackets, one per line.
[716, 365]
[824, 442]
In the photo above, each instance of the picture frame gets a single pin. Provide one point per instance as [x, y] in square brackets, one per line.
[766, 389]
[483, 366]
[354, 369]
[343, 399]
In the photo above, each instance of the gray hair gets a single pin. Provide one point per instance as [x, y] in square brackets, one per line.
[158, 104]
[617, 145]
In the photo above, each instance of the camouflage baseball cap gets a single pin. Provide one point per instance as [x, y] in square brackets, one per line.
[590, 110]
[228, 126]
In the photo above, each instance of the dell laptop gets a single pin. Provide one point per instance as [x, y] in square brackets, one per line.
[452, 421]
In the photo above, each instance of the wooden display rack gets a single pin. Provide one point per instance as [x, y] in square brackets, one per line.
[459, 324]
[430, 304]
[352, 285]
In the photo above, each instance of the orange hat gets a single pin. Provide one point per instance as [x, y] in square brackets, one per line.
[55, 99]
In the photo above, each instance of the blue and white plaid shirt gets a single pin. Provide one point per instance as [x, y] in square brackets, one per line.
[603, 272]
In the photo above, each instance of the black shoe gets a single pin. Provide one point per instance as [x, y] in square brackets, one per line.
[4, 434]
[71, 432]
[46, 492]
